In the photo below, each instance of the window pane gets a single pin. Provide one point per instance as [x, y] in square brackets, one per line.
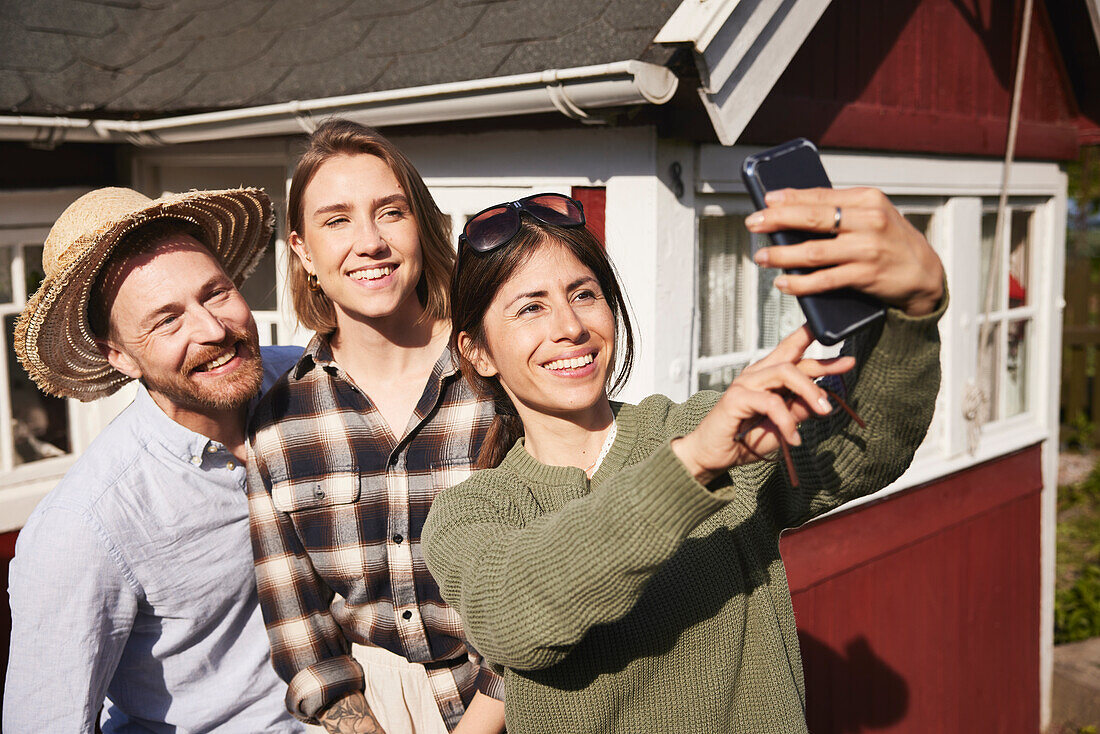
[778, 314]
[921, 222]
[988, 380]
[32, 268]
[259, 289]
[721, 378]
[40, 423]
[1016, 368]
[989, 225]
[6, 255]
[723, 257]
[1018, 259]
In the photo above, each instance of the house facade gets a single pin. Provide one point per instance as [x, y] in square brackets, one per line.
[926, 607]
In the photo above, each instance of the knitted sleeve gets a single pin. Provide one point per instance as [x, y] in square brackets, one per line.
[893, 389]
[528, 592]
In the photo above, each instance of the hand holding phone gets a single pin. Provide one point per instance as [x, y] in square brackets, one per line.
[877, 252]
[832, 315]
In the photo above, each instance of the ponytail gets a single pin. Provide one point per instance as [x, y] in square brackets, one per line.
[503, 433]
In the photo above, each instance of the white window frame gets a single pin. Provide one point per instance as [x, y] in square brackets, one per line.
[734, 207]
[1001, 314]
[26, 217]
[961, 185]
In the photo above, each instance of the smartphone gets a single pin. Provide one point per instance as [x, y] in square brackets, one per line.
[835, 315]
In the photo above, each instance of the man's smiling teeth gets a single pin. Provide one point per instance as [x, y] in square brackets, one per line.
[569, 364]
[372, 273]
[219, 361]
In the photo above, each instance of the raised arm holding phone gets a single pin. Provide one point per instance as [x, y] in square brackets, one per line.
[620, 563]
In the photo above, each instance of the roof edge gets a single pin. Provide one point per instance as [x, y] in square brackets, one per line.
[572, 92]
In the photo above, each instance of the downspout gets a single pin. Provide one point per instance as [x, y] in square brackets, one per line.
[572, 92]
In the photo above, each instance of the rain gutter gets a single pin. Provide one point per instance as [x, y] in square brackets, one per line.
[575, 93]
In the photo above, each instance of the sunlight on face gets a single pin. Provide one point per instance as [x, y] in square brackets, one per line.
[360, 239]
[180, 325]
[551, 336]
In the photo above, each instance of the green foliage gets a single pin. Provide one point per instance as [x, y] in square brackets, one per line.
[1084, 189]
[1079, 434]
[1077, 609]
[1077, 596]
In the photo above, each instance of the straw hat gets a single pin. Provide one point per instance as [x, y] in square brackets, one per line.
[53, 338]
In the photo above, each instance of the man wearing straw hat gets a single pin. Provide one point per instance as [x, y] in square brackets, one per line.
[132, 579]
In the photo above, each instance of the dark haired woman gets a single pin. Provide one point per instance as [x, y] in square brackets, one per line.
[621, 562]
[350, 447]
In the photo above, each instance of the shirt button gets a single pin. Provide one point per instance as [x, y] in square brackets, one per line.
[407, 614]
[212, 448]
[319, 493]
[397, 539]
[230, 465]
[196, 460]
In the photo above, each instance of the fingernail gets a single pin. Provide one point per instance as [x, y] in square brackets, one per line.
[824, 405]
[775, 197]
[761, 257]
[795, 439]
[781, 283]
[754, 219]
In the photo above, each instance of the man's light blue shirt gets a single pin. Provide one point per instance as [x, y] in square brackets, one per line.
[133, 579]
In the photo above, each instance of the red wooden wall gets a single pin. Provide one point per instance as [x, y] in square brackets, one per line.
[916, 614]
[923, 75]
[920, 613]
[7, 552]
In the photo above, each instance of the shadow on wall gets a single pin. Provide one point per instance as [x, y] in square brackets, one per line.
[877, 694]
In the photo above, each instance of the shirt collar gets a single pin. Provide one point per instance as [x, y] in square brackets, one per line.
[177, 439]
[318, 353]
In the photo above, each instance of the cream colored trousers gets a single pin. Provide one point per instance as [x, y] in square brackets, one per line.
[398, 693]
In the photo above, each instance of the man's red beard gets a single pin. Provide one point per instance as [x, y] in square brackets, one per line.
[227, 392]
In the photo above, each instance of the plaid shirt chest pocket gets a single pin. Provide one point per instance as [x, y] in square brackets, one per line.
[336, 487]
[325, 512]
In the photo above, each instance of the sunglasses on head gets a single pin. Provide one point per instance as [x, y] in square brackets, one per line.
[490, 228]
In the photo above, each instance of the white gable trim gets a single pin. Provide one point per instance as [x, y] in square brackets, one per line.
[741, 48]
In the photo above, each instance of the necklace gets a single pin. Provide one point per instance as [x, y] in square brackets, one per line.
[594, 467]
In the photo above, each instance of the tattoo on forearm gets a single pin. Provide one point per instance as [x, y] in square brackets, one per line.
[350, 715]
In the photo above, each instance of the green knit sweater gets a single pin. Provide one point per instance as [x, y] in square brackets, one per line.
[642, 601]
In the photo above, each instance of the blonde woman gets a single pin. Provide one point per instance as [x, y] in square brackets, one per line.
[349, 449]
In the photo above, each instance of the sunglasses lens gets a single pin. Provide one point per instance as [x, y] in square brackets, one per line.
[492, 228]
[554, 209]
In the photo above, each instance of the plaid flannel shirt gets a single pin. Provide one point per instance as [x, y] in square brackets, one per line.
[337, 504]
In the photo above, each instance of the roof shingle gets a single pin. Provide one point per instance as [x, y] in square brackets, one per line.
[157, 57]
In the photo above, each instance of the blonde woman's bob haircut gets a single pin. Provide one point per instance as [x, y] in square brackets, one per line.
[337, 137]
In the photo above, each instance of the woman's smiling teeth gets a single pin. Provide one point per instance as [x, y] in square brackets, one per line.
[372, 273]
[569, 364]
